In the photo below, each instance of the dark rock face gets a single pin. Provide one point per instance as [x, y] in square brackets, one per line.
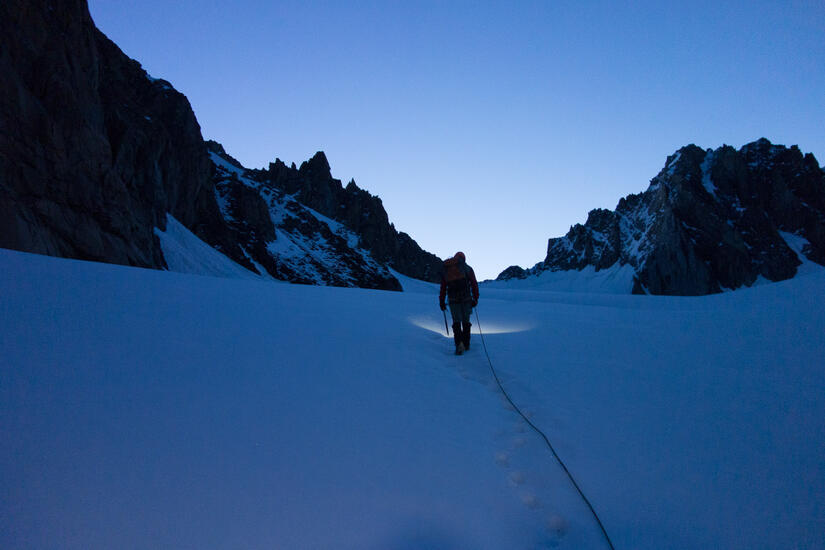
[711, 220]
[94, 153]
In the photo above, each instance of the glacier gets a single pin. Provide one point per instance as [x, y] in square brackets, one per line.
[143, 408]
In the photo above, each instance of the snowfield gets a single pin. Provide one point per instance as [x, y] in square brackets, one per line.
[148, 409]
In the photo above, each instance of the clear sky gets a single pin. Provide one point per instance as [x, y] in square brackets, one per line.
[486, 127]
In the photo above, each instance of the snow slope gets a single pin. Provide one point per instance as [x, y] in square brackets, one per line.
[184, 252]
[148, 409]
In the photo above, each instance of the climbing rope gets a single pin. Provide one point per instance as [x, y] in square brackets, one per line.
[542, 434]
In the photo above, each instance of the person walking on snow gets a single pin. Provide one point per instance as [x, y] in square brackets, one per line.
[459, 285]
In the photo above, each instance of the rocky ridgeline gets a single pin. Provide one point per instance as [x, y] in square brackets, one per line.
[280, 234]
[711, 220]
[313, 186]
[94, 153]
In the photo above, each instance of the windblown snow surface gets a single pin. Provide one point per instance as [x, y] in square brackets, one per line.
[148, 409]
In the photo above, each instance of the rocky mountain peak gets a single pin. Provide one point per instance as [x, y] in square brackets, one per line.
[710, 220]
[316, 168]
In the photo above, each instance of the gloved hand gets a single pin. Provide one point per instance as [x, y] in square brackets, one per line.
[443, 306]
[475, 303]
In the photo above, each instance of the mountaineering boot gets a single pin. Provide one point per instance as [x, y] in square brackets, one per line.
[459, 338]
[465, 335]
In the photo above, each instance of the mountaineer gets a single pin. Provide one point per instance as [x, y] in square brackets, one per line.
[459, 286]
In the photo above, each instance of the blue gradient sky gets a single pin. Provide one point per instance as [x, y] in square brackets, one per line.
[486, 127]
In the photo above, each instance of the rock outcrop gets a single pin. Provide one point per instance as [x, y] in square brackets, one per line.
[709, 221]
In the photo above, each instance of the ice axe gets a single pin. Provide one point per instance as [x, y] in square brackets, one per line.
[446, 326]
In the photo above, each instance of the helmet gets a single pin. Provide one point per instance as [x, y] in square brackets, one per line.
[460, 256]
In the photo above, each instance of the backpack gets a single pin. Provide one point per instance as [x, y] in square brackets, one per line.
[458, 286]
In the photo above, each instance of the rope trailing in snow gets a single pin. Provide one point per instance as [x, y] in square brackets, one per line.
[542, 434]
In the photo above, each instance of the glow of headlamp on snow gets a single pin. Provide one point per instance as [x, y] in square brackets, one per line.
[489, 327]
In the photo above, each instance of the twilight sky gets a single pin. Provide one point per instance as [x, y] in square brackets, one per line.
[486, 127]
